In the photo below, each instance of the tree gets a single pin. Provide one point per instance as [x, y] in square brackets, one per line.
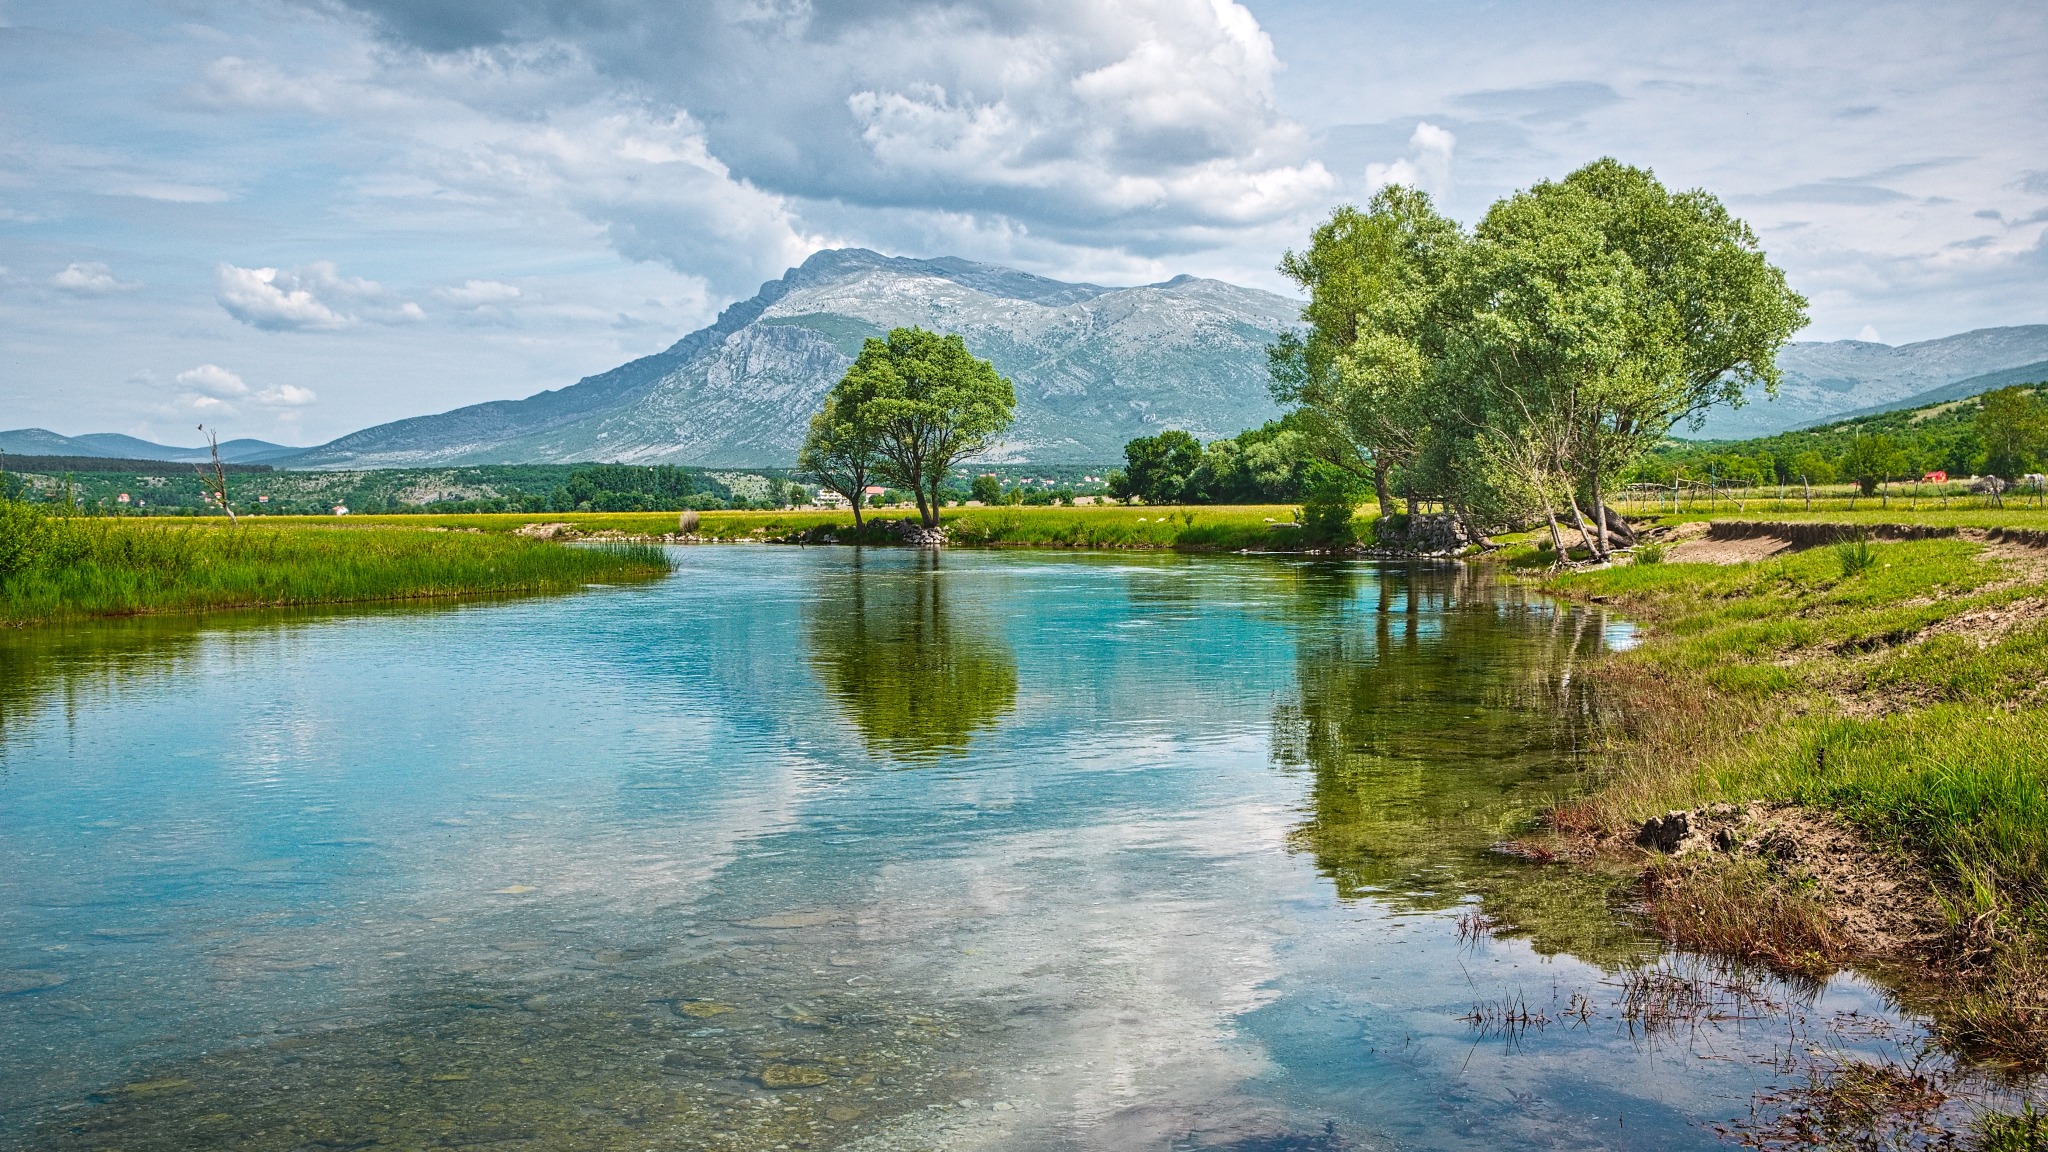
[930, 403]
[1612, 309]
[1157, 467]
[1871, 460]
[986, 489]
[215, 482]
[2013, 425]
[1376, 280]
[841, 448]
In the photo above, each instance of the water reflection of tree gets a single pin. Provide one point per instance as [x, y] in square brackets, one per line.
[1435, 712]
[890, 648]
[43, 667]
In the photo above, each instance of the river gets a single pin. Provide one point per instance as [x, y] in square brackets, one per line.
[828, 848]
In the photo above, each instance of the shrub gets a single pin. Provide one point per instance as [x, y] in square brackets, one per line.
[24, 535]
[1855, 556]
[1650, 554]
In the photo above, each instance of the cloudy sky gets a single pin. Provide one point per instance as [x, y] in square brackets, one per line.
[294, 218]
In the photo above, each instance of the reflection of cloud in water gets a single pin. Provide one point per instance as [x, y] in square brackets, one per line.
[892, 649]
[1124, 979]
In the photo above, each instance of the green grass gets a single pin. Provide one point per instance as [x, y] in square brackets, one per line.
[118, 567]
[1198, 528]
[1904, 692]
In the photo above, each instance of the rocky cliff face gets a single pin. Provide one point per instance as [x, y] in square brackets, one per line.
[1093, 367]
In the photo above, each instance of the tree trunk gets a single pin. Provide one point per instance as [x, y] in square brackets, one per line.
[1556, 537]
[1600, 511]
[1381, 492]
[1593, 550]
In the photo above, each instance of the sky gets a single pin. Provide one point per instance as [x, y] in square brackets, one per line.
[290, 219]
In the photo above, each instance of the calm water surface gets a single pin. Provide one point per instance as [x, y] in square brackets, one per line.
[827, 848]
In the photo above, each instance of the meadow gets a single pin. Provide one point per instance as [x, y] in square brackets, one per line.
[55, 568]
[1898, 686]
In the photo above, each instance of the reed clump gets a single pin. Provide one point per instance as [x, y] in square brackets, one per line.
[58, 567]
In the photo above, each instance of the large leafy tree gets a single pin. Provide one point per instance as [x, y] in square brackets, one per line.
[842, 448]
[929, 403]
[1376, 281]
[1157, 468]
[1603, 309]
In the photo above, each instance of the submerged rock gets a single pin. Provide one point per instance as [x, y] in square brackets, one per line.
[792, 1076]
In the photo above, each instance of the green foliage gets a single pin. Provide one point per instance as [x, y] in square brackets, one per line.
[1855, 556]
[24, 533]
[1330, 500]
[929, 403]
[111, 567]
[1871, 460]
[841, 448]
[2013, 424]
[985, 489]
[624, 488]
[1156, 468]
[1521, 369]
[1650, 554]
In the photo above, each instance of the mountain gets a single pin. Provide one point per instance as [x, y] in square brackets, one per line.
[1840, 378]
[1093, 367]
[113, 445]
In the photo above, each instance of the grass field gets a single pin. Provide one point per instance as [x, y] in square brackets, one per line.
[1899, 685]
[114, 567]
[1191, 528]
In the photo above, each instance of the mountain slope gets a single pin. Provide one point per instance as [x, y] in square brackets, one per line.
[1834, 379]
[2034, 373]
[113, 445]
[1093, 367]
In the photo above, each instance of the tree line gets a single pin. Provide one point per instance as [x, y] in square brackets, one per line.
[2003, 433]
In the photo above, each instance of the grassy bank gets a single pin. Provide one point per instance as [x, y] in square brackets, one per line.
[1201, 528]
[1897, 686]
[76, 568]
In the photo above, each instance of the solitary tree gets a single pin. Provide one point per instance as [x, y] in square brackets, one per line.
[986, 489]
[840, 450]
[2013, 424]
[930, 404]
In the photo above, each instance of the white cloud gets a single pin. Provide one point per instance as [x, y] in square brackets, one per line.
[213, 380]
[1869, 334]
[1427, 167]
[89, 278]
[256, 297]
[314, 298]
[212, 390]
[479, 293]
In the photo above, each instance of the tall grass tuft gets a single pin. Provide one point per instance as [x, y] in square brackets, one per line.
[1855, 556]
[77, 567]
[1650, 554]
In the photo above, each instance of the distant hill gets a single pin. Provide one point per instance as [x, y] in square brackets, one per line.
[1841, 378]
[114, 446]
[1093, 367]
[2035, 373]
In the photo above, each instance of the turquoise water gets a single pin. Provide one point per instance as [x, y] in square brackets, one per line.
[827, 848]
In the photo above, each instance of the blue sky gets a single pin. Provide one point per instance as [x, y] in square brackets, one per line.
[295, 218]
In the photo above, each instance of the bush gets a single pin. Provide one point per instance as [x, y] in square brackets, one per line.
[24, 535]
[1855, 556]
[1649, 554]
[1332, 499]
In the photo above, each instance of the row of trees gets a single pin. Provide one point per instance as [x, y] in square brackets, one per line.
[2002, 433]
[1264, 465]
[912, 406]
[1519, 370]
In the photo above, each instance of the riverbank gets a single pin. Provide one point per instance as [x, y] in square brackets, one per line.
[66, 569]
[1853, 734]
[1193, 528]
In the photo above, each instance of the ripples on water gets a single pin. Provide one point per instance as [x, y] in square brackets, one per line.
[830, 848]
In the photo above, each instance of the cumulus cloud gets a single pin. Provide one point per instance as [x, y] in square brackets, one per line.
[315, 298]
[1427, 167]
[1098, 123]
[89, 278]
[212, 390]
